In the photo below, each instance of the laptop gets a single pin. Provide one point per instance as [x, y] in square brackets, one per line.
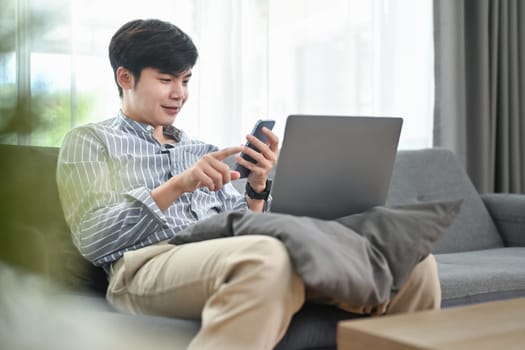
[333, 166]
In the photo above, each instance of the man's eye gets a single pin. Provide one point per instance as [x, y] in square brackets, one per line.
[185, 82]
[165, 80]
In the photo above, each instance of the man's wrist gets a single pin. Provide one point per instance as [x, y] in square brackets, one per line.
[258, 192]
[259, 187]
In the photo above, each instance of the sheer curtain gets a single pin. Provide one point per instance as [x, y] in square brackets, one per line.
[354, 57]
[258, 59]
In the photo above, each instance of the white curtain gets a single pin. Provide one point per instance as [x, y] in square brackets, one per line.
[258, 59]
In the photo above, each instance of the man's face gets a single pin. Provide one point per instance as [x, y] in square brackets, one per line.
[156, 98]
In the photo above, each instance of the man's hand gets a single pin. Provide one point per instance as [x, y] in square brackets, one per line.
[265, 159]
[209, 171]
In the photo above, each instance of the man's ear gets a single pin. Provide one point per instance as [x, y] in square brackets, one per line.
[124, 78]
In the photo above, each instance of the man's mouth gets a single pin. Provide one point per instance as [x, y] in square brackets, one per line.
[171, 109]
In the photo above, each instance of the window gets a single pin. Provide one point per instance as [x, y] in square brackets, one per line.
[258, 59]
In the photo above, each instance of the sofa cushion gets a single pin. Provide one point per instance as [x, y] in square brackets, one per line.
[314, 326]
[436, 174]
[483, 275]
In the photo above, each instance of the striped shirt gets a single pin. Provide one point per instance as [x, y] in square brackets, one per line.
[105, 174]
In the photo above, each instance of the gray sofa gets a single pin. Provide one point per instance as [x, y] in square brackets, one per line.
[481, 257]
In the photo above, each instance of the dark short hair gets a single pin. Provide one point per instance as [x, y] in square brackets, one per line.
[152, 43]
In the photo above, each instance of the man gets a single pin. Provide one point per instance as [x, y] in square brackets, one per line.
[131, 183]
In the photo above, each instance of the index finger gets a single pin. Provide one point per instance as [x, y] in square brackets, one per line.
[225, 152]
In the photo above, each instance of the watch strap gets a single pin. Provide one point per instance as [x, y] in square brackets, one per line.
[250, 192]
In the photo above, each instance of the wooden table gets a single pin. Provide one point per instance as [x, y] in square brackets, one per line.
[487, 326]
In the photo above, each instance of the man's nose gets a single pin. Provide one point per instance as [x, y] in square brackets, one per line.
[177, 90]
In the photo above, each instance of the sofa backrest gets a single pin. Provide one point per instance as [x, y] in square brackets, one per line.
[31, 212]
[35, 235]
[437, 174]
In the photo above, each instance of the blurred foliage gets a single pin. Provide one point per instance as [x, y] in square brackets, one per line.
[45, 115]
[19, 113]
[17, 108]
[32, 238]
[55, 117]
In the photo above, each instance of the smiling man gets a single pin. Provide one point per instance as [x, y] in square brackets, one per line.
[130, 184]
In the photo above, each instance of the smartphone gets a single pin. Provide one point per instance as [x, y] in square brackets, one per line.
[257, 132]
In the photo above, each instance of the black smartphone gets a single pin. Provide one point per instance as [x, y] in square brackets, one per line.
[257, 132]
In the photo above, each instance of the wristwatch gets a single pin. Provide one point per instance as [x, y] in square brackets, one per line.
[250, 192]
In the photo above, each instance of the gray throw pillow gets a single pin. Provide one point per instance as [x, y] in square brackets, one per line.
[404, 234]
[361, 259]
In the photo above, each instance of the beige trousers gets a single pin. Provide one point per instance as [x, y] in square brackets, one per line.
[243, 289]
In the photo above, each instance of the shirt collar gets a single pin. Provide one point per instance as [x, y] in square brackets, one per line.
[132, 125]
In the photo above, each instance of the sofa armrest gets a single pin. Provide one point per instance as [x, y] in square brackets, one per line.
[508, 212]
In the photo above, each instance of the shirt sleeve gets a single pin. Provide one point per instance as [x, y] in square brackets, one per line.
[102, 220]
[231, 199]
